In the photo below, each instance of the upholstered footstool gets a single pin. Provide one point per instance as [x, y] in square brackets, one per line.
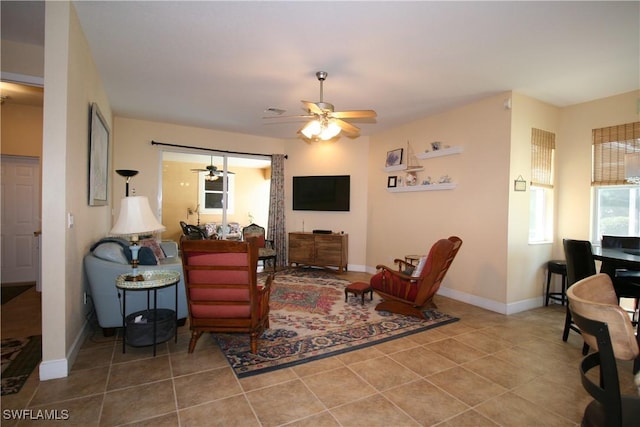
[358, 288]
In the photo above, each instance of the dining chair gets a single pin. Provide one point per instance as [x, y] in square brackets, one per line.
[625, 279]
[266, 249]
[192, 232]
[607, 329]
[580, 264]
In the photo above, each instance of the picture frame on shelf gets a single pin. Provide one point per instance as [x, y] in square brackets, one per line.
[392, 182]
[394, 157]
[98, 159]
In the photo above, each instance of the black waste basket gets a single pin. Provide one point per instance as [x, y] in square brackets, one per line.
[140, 334]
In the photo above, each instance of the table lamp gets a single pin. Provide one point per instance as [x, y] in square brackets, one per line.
[135, 218]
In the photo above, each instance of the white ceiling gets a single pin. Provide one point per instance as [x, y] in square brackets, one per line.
[221, 64]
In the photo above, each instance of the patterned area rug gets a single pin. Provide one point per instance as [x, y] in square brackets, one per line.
[19, 357]
[310, 320]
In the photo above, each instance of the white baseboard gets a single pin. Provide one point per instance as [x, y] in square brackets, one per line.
[51, 369]
[59, 368]
[498, 307]
[359, 268]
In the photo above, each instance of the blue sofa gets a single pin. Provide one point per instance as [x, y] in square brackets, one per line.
[108, 259]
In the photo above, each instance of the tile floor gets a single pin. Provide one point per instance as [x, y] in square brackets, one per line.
[486, 370]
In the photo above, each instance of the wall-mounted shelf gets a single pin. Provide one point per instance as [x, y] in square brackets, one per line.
[438, 153]
[429, 187]
[403, 168]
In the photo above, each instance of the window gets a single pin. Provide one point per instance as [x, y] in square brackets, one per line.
[212, 194]
[543, 146]
[616, 211]
[616, 207]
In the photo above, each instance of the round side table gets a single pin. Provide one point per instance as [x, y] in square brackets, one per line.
[153, 280]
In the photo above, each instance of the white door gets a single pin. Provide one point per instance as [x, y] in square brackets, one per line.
[20, 218]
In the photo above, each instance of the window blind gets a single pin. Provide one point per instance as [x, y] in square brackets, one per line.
[610, 145]
[543, 144]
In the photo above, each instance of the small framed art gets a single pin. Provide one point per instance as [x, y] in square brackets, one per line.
[392, 182]
[394, 157]
[520, 184]
[98, 159]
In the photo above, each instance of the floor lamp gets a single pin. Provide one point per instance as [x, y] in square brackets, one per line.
[127, 173]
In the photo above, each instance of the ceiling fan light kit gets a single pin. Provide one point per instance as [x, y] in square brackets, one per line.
[326, 123]
[213, 172]
[324, 130]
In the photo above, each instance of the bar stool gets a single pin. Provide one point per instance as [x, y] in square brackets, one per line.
[556, 266]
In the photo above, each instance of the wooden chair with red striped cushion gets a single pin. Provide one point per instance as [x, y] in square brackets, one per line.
[223, 293]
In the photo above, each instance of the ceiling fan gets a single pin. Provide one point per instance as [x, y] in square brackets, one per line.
[326, 123]
[213, 174]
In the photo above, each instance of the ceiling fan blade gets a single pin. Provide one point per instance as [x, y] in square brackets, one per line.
[354, 114]
[299, 116]
[347, 127]
[312, 107]
[199, 170]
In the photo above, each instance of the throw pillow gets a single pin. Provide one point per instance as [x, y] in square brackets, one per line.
[418, 270]
[145, 255]
[407, 271]
[110, 251]
[154, 246]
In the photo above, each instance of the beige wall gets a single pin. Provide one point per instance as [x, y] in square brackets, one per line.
[21, 133]
[342, 157]
[574, 159]
[133, 150]
[526, 263]
[72, 84]
[476, 210]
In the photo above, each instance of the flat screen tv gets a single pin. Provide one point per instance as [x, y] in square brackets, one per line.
[321, 193]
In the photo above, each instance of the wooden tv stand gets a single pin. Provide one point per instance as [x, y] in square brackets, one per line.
[321, 250]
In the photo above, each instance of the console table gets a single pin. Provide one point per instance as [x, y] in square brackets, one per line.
[321, 250]
[153, 280]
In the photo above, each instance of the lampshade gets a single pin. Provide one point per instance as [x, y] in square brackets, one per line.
[311, 129]
[136, 218]
[329, 131]
[321, 129]
[632, 168]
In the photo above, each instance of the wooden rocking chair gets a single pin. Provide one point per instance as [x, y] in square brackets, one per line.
[412, 293]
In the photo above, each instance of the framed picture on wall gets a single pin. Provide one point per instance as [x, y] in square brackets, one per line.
[98, 158]
[394, 157]
[392, 181]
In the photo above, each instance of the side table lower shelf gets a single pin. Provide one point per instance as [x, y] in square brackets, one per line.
[156, 320]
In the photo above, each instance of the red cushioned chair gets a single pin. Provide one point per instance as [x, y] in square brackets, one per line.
[410, 293]
[222, 290]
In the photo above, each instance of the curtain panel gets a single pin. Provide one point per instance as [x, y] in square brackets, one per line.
[276, 223]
